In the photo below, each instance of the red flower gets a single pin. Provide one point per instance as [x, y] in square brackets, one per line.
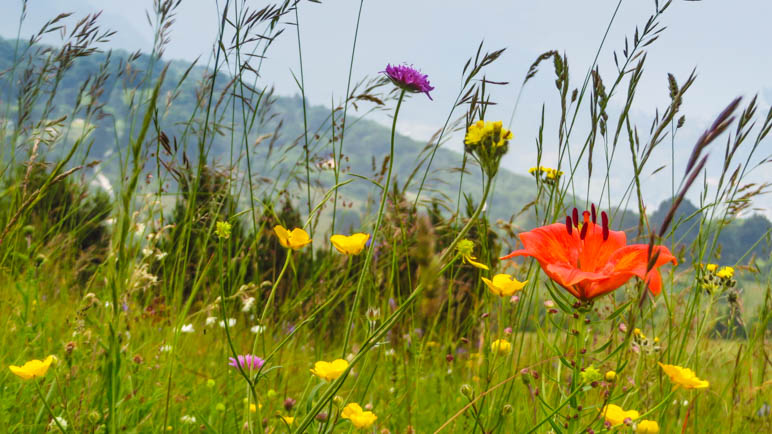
[591, 260]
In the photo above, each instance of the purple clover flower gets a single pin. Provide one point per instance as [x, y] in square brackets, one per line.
[408, 78]
[247, 361]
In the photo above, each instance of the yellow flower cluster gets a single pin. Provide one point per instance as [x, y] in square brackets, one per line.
[547, 172]
[488, 142]
[484, 133]
[717, 280]
[223, 230]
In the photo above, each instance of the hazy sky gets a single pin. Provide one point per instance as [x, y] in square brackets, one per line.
[726, 41]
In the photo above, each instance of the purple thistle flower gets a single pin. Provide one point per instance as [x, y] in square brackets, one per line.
[409, 79]
[247, 361]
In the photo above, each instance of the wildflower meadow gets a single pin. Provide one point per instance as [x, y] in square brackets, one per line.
[183, 249]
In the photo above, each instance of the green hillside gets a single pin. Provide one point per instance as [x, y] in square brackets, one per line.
[277, 160]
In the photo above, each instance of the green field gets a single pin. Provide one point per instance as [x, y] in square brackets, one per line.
[147, 283]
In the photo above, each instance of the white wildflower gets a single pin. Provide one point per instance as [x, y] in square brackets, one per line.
[188, 420]
[187, 328]
[248, 303]
[258, 329]
[210, 320]
[231, 322]
[60, 420]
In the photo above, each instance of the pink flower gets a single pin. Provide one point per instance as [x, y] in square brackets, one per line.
[247, 361]
[408, 78]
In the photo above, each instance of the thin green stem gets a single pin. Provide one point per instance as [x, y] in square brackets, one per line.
[48, 406]
[374, 237]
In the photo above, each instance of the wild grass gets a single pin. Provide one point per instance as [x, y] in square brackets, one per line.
[143, 293]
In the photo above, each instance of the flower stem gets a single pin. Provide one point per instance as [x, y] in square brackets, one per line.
[48, 406]
[227, 328]
[368, 258]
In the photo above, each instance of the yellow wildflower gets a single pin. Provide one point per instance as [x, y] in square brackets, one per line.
[329, 370]
[647, 427]
[351, 244]
[549, 173]
[615, 415]
[253, 408]
[465, 248]
[292, 240]
[683, 377]
[358, 417]
[223, 230]
[487, 133]
[288, 419]
[711, 267]
[611, 376]
[504, 285]
[501, 346]
[725, 273]
[33, 368]
[590, 374]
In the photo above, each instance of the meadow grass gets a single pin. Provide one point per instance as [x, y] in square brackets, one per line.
[143, 295]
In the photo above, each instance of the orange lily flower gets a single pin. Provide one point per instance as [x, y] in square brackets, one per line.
[589, 260]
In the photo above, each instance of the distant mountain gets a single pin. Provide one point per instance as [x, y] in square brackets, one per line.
[282, 158]
[365, 147]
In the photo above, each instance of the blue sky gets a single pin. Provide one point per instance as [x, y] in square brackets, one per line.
[726, 41]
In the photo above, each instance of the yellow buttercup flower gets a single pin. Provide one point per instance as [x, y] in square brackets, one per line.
[487, 133]
[611, 376]
[288, 419]
[501, 346]
[350, 244]
[683, 377]
[711, 267]
[465, 248]
[329, 370]
[358, 417]
[647, 427]
[292, 240]
[33, 368]
[615, 415]
[504, 285]
[253, 408]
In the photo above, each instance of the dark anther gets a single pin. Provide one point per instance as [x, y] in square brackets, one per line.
[594, 216]
[584, 229]
[604, 220]
[568, 224]
[575, 215]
